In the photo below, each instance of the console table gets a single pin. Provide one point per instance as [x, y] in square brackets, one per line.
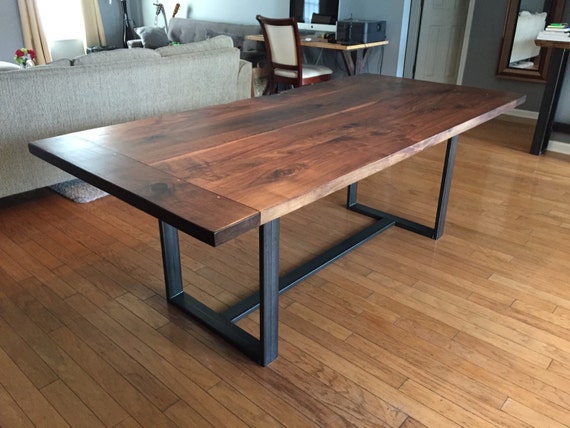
[218, 172]
[551, 96]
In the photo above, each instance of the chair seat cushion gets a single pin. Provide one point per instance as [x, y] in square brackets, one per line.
[309, 70]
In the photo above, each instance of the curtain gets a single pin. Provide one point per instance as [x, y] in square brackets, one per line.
[94, 31]
[32, 31]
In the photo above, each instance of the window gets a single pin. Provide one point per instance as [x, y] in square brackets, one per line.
[311, 6]
[62, 19]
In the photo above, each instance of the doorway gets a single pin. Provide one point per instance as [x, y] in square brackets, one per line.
[438, 37]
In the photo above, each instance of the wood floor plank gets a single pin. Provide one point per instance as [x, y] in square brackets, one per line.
[29, 398]
[141, 409]
[443, 406]
[297, 407]
[231, 372]
[11, 414]
[183, 386]
[72, 376]
[181, 414]
[248, 411]
[530, 415]
[67, 403]
[35, 369]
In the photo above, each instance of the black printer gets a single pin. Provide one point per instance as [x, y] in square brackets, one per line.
[354, 32]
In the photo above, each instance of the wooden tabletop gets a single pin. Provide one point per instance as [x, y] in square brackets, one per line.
[217, 172]
[321, 43]
[562, 44]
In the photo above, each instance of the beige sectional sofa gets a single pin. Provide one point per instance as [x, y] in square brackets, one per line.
[106, 88]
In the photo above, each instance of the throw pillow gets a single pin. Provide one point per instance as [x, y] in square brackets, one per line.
[6, 66]
[238, 40]
[153, 37]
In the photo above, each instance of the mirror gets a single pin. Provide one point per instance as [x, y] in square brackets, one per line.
[520, 58]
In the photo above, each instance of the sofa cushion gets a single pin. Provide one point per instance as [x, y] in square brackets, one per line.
[219, 42]
[115, 56]
[63, 62]
[152, 37]
[237, 40]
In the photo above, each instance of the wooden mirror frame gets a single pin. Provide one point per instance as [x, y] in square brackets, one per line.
[554, 14]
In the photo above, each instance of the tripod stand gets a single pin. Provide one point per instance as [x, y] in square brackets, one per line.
[128, 30]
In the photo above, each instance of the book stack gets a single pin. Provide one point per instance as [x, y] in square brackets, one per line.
[555, 31]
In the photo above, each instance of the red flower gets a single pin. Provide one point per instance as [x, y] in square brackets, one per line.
[24, 55]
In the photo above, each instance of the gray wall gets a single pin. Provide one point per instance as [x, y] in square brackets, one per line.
[10, 30]
[483, 56]
[563, 111]
[397, 16]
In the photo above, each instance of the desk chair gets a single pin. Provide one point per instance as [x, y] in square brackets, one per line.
[283, 47]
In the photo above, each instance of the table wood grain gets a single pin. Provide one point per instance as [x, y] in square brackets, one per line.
[217, 172]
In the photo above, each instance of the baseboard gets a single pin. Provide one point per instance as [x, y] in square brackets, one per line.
[554, 145]
[558, 147]
[524, 114]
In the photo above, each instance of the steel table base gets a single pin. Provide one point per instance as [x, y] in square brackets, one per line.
[265, 349]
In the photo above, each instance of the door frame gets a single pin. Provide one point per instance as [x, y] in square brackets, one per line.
[414, 33]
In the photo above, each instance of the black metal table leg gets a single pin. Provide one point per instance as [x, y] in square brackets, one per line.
[170, 260]
[351, 195]
[550, 97]
[445, 187]
[269, 290]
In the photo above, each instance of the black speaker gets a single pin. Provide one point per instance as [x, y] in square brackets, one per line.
[354, 32]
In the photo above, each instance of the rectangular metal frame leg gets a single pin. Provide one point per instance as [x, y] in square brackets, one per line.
[263, 350]
[433, 232]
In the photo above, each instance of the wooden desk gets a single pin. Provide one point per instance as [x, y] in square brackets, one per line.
[353, 65]
[217, 172]
[551, 95]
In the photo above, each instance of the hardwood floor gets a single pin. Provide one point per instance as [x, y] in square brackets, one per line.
[470, 330]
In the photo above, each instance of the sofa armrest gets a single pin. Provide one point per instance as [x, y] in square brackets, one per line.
[244, 80]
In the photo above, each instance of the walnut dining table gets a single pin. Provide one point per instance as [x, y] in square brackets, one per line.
[218, 172]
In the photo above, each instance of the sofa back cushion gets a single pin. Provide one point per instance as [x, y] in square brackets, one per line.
[186, 30]
[116, 56]
[220, 42]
